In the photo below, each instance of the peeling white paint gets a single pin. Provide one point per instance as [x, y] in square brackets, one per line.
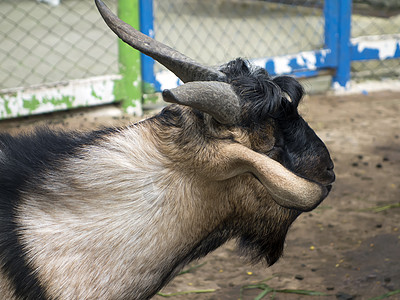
[306, 60]
[260, 62]
[324, 54]
[167, 80]
[339, 88]
[281, 64]
[58, 96]
[386, 45]
[135, 110]
[366, 87]
[151, 33]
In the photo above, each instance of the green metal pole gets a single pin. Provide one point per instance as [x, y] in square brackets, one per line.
[129, 88]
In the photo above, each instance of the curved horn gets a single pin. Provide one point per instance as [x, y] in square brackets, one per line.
[286, 188]
[182, 66]
[215, 98]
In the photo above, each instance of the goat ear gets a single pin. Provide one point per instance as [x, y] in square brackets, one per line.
[286, 188]
[212, 97]
[291, 87]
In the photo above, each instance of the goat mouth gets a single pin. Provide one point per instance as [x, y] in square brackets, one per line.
[326, 190]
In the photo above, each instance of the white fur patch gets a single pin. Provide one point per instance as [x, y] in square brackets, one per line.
[109, 225]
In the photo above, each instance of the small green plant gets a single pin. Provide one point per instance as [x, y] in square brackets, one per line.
[191, 269]
[387, 295]
[385, 207]
[266, 289]
[187, 292]
[378, 209]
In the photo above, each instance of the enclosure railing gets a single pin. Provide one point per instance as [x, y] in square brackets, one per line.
[334, 55]
[64, 56]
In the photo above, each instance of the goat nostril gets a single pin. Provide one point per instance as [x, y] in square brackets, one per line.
[331, 175]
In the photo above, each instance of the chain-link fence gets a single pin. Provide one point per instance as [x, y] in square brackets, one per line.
[215, 31]
[41, 43]
[376, 18]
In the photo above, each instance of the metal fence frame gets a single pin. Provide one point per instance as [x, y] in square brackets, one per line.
[125, 87]
[137, 77]
[335, 57]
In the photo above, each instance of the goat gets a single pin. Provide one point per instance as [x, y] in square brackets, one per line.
[117, 213]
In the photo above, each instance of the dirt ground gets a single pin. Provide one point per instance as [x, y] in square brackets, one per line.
[347, 248]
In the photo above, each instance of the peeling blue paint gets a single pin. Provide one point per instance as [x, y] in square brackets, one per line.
[375, 47]
[337, 53]
[301, 62]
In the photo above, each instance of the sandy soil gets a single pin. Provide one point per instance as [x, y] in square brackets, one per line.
[349, 247]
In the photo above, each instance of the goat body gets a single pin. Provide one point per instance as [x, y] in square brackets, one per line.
[116, 213]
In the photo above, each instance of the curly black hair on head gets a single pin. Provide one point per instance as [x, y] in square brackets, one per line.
[261, 95]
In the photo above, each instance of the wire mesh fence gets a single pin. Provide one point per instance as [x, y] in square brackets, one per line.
[43, 43]
[215, 31]
[375, 18]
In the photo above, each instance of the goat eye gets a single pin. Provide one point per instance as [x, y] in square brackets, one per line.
[278, 147]
[275, 152]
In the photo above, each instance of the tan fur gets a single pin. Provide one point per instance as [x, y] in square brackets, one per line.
[225, 159]
[102, 239]
[116, 221]
[6, 289]
[286, 188]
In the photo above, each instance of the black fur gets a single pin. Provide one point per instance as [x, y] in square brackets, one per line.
[23, 159]
[275, 101]
[264, 99]
[262, 96]
[263, 240]
[267, 246]
[215, 239]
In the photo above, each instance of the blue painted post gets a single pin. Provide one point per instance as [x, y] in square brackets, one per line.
[150, 85]
[342, 77]
[331, 16]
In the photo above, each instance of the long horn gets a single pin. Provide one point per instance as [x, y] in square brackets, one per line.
[215, 98]
[182, 66]
[286, 188]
